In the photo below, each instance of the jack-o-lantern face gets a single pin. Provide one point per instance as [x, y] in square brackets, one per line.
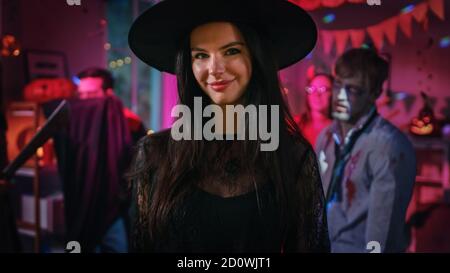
[422, 125]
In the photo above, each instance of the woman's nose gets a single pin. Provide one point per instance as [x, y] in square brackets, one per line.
[216, 66]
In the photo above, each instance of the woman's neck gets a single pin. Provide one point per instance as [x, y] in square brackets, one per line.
[222, 123]
[319, 117]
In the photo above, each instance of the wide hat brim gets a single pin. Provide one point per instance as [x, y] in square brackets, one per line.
[157, 34]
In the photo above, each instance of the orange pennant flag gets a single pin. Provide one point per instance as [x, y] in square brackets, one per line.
[390, 29]
[376, 34]
[404, 21]
[420, 12]
[327, 40]
[341, 37]
[357, 37]
[437, 6]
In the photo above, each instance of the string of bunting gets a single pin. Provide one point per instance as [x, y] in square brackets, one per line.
[385, 29]
[315, 4]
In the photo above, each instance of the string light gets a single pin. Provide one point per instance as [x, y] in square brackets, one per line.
[76, 80]
[445, 42]
[120, 62]
[329, 18]
[365, 46]
[112, 64]
[408, 8]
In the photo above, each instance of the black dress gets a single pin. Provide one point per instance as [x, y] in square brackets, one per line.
[227, 210]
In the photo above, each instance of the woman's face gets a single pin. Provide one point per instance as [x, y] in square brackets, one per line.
[319, 95]
[220, 61]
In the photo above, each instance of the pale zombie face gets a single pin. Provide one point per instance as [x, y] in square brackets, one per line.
[350, 99]
[319, 94]
[221, 62]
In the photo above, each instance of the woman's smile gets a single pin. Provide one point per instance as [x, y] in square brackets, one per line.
[220, 86]
[221, 62]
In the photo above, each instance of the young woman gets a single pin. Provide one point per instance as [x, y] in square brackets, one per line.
[226, 195]
[318, 106]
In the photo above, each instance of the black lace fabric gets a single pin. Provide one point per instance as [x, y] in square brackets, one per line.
[225, 172]
[318, 238]
[232, 207]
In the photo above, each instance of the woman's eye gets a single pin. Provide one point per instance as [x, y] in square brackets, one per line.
[232, 51]
[200, 56]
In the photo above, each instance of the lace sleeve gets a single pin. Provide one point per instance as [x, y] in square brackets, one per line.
[320, 241]
[312, 235]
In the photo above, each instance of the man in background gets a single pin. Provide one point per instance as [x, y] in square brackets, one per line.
[98, 83]
[367, 165]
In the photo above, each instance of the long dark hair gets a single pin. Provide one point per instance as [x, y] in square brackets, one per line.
[169, 185]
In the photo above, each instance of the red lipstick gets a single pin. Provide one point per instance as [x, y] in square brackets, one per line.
[219, 86]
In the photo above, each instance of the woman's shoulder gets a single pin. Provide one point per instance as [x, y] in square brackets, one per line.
[153, 146]
[155, 138]
[302, 148]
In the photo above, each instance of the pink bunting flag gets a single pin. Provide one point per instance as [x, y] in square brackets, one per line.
[327, 40]
[341, 37]
[357, 37]
[307, 4]
[437, 6]
[332, 3]
[420, 12]
[404, 21]
[376, 34]
[390, 29]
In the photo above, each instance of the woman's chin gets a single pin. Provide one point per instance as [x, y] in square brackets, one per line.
[224, 101]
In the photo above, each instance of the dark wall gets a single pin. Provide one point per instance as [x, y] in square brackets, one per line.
[77, 31]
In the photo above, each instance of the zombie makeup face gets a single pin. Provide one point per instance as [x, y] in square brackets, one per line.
[350, 99]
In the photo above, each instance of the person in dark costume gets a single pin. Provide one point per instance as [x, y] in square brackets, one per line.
[93, 152]
[226, 195]
[95, 82]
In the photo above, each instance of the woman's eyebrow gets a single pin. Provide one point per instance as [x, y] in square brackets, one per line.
[197, 49]
[221, 48]
[232, 44]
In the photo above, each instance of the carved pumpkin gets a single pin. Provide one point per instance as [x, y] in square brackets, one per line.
[425, 123]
